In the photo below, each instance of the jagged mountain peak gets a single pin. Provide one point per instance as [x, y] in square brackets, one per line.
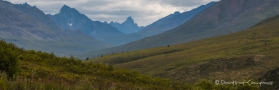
[25, 4]
[128, 26]
[176, 12]
[68, 9]
[129, 20]
[130, 17]
[71, 19]
[112, 22]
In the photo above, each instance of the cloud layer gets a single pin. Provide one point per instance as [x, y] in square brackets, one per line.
[144, 12]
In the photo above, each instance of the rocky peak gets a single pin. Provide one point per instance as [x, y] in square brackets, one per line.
[129, 20]
[127, 27]
[67, 9]
[25, 4]
[176, 13]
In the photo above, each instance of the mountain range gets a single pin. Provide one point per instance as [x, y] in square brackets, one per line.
[116, 33]
[29, 28]
[70, 19]
[164, 24]
[224, 17]
[128, 26]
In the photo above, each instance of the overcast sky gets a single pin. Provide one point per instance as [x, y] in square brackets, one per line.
[144, 12]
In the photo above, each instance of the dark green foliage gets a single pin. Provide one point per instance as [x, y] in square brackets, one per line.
[8, 58]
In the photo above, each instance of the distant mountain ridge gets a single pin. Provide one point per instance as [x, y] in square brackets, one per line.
[224, 17]
[128, 26]
[164, 24]
[70, 19]
[173, 20]
[29, 28]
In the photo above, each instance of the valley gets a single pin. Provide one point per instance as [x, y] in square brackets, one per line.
[248, 54]
[70, 49]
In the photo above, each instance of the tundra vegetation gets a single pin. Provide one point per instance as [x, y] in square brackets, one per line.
[35, 70]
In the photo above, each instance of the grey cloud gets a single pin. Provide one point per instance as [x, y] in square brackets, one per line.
[187, 3]
[182, 3]
[115, 12]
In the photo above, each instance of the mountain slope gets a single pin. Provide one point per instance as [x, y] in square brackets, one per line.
[173, 20]
[127, 27]
[227, 16]
[27, 32]
[164, 24]
[244, 55]
[37, 14]
[70, 19]
[224, 17]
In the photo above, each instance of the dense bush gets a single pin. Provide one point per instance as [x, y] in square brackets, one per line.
[9, 58]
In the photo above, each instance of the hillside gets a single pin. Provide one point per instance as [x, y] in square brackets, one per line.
[37, 14]
[29, 28]
[36, 70]
[32, 70]
[173, 20]
[224, 17]
[239, 56]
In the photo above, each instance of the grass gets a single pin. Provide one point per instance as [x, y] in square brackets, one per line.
[249, 53]
[36, 70]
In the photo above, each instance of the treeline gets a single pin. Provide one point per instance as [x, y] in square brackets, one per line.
[29, 70]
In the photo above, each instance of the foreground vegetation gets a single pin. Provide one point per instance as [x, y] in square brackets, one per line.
[244, 55]
[36, 70]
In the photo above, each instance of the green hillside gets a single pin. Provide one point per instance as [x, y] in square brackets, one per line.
[244, 55]
[36, 70]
